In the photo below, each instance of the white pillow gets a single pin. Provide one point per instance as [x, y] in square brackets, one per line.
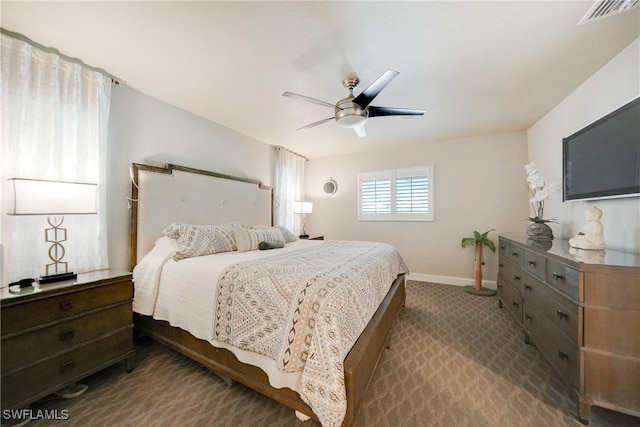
[288, 235]
[248, 239]
[198, 240]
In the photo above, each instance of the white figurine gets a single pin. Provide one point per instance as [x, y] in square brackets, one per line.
[592, 235]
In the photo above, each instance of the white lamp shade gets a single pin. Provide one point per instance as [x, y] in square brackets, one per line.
[302, 207]
[39, 197]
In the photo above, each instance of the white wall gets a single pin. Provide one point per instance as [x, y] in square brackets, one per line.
[614, 85]
[145, 130]
[480, 184]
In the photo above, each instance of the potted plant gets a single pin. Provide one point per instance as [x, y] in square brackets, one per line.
[478, 241]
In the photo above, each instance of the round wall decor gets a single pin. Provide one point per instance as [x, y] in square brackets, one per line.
[331, 186]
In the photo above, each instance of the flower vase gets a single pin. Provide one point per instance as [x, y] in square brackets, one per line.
[539, 231]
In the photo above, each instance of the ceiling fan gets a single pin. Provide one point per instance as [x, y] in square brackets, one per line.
[353, 111]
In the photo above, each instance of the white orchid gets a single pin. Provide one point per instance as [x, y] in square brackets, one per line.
[539, 191]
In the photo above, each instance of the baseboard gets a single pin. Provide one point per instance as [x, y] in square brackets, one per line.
[448, 280]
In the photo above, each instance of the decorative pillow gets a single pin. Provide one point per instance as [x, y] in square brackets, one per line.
[248, 239]
[198, 240]
[263, 246]
[173, 230]
[288, 236]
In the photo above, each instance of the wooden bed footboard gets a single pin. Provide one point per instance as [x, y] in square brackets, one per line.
[359, 365]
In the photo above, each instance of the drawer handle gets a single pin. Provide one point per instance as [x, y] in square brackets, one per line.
[516, 278]
[67, 335]
[528, 317]
[499, 286]
[557, 276]
[67, 305]
[527, 288]
[515, 254]
[532, 263]
[515, 304]
[562, 315]
[502, 248]
[562, 355]
[67, 366]
[500, 265]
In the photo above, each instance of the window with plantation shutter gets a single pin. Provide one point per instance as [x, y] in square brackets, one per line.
[396, 195]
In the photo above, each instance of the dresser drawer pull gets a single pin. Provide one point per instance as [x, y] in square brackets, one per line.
[528, 317]
[532, 263]
[562, 315]
[67, 366]
[67, 335]
[557, 276]
[516, 278]
[527, 288]
[515, 254]
[562, 355]
[500, 265]
[502, 248]
[67, 305]
[515, 304]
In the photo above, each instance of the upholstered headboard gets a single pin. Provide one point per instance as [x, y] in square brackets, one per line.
[160, 196]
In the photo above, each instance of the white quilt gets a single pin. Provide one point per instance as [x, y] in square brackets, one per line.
[294, 312]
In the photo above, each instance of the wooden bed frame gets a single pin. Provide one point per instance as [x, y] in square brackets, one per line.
[359, 365]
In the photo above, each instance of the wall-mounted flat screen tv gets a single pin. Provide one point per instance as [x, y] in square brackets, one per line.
[603, 159]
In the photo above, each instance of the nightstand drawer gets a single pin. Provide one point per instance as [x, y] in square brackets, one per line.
[23, 349]
[22, 386]
[560, 311]
[60, 306]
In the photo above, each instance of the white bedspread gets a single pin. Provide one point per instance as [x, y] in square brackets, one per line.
[296, 317]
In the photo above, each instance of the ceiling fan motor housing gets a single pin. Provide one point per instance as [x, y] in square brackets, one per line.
[349, 114]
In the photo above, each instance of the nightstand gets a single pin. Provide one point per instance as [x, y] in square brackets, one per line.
[63, 333]
[317, 238]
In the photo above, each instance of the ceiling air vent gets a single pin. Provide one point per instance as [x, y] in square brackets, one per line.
[603, 8]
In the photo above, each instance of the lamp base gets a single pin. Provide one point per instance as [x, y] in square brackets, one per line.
[57, 277]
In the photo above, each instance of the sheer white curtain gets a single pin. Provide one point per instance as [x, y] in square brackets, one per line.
[54, 126]
[289, 187]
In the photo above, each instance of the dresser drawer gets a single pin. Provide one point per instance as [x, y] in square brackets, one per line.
[560, 311]
[563, 278]
[612, 379]
[516, 255]
[513, 274]
[617, 331]
[510, 297]
[39, 380]
[60, 306]
[621, 290]
[562, 353]
[503, 249]
[25, 349]
[535, 264]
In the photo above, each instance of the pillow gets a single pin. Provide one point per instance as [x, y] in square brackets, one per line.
[288, 236]
[248, 239]
[198, 240]
[173, 230]
[263, 246]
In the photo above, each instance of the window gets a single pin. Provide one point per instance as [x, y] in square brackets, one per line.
[396, 195]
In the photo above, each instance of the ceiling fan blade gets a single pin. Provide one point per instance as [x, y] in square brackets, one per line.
[360, 131]
[367, 95]
[308, 99]
[319, 122]
[389, 111]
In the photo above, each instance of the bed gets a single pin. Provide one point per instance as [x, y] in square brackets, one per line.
[203, 306]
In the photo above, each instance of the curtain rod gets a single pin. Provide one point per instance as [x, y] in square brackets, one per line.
[278, 147]
[115, 80]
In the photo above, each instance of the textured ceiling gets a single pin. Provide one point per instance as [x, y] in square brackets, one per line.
[475, 67]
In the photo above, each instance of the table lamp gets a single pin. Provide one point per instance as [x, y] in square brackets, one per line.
[54, 199]
[303, 208]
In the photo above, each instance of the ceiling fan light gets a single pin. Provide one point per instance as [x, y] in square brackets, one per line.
[351, 121]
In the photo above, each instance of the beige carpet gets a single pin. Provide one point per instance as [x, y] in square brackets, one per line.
[456, 360]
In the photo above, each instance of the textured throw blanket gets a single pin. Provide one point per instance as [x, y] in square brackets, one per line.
[305, 310]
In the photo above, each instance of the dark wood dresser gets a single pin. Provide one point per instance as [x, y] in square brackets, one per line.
[581, 309]
[64, 332]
